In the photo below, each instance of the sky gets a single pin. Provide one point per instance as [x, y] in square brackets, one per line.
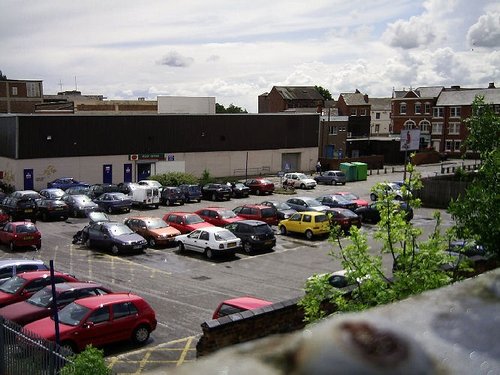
[237, 50]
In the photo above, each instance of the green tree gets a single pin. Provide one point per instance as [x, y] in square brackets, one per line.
[418, 265]
[324, 92]
[476, 212]
[219, 108]
[90, 361]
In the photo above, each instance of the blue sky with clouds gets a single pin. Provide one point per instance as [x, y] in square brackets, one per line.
[237, 50]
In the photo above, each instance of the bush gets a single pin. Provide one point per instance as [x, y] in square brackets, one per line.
[90, 361]
[175, 179]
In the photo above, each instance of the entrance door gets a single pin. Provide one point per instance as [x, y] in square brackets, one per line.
[290, 162]
[127, 172]
[28, 179]
[107, 174]
[143, 171]
[329, 151]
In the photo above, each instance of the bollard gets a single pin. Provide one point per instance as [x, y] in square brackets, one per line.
[385, 170]
[392, 169]
[378, 171]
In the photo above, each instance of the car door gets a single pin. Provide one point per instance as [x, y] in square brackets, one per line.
[97, 328]
[95, 234]
[123, 320]
[294, 223]
[191, 242]
[6, 233]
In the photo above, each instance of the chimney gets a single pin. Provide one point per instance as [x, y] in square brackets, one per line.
[366, 98]
[491, 85]
[456, 87]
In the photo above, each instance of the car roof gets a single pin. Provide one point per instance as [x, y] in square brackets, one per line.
[313, 213]
[24, 222]
[62, 287]
[247, 302]
[255, 205]
[32, 275]
[253, 223]
[9, 262]
[145, 218]
[96, 301]
[213, 229]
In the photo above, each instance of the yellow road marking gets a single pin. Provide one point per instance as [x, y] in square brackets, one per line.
[184, 352]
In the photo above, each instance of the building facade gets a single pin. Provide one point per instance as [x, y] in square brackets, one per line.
[20, 96]
[380, 116]
[285, 98]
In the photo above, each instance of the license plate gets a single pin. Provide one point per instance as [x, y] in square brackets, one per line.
[28, 238]
[28, 210]
[231, 244]
[59, 208]
[268, 242]
[137, 247]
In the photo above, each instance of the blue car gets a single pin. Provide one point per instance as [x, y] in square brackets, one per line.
[65, 183]
[114, 202]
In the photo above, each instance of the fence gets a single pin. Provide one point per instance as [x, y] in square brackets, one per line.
[23, 353]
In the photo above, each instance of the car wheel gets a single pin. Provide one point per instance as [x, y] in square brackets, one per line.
[198, 200]
[110, 210]
[333, 182]
[282, 229]
[247, 247]
[214, 197]
[373, 197]
[302, 186]
[140, 335]
[343, 183]
[209, 253]
[181, 247]
[157, 206]
[309, 234]
[45, 217]
[12, 247]
[115, 250]
[152, 242]
[38, 246]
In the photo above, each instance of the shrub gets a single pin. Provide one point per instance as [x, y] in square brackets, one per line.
[175, 178]
[90, 361]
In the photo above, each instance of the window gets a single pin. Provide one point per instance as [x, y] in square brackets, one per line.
[408, 125]
[438, 112]
[455, 112]
[437, 128]
[457, 145]
[354, 112]
[377, 115]
[32, 89]
[418, 108]
[123, 309]
[100, 315]
[425, 126]
[427, 108]
[377, 128]
[448, 145]
[363, 112]
[332, 130]
[402, 109]
[454, 128]
[14, 91]
[342, 129]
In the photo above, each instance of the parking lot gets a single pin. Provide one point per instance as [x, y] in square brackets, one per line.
[184, 289]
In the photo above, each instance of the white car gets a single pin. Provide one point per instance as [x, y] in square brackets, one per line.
[151, 183]
[299, 180]
[211, 241]
[390, 188]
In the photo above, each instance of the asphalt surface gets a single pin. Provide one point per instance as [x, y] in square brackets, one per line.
[184, 289]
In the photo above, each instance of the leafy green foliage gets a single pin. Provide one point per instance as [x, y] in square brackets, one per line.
[90, 361]
[476, 212]
[175, 178]
[418, 265]
[206, 178]
[219, 108]
[324, 92]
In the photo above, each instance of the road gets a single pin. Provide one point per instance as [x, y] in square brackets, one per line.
[185, 289]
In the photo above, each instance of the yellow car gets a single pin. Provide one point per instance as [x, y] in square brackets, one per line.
[310, 223]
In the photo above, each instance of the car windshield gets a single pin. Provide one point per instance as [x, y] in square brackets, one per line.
[12, 285]
[301, 176]
[312, 203]
[263, 229]
[56, 194]
[341, 198]
[28, 228]
[393, 186]
[81, 199]
[118, 197]
[156, 223]
[119, 229]
[348, 213]
[193, 219]
[282, 206]
[42, 298]
[72, 314]
[350, 196]
[227, 214]
[268, 212]
[266, 182]
[224, 235]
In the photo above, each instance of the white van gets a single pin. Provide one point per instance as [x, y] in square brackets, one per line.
[143, 195]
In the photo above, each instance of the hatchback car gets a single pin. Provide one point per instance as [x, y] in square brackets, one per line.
[52, 193]
[389, 188]
[258, 212]
[283, 210]
[240, 190]
[171, 195]
[306, 204]
[114, 202]
[65, 183]
[97, 189]
[216, 192]
[260, 186]
[331, 178]
[153, 229]
[27, 194]
[20, 208]
[24, 285]
[299, 180]
[254, 235]
[211, 241]
[40, 304]
[185, 222]
[344, 218]
[309, 223]
[337, 200]
[99, 321]
[79, 190]
[353, 197]
[80, 205]
[12, 267]
[191, 192]
[240, 304]
[53, 209]
[218, 216]
[20, 234]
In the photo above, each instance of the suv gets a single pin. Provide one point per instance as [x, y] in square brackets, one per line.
[20, 208]
[171, 195]
[254, 235]
[191, 192]
[331, 178]
[11, 267]
[260, 212]
[299, 180]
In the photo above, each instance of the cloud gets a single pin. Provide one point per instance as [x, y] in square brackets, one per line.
[485, 32]
[416, 32]
[175, 59]
[213, 58]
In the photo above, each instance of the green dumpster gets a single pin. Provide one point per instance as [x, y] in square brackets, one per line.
[361, 170]
[349, 170]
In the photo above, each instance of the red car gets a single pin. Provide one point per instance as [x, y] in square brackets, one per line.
[99, 321]
[218, 216]
[20, 233]
[344, 218]
[260, 212]
[4, 217]
[236, 305]
[39, 305]
[23, 286]
[353, 197]
[260, 186]
[185, 222]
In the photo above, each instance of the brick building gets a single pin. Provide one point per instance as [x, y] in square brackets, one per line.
[286, 98]
[20, 96]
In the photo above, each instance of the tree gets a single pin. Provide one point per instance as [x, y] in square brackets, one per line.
[324, 92]
[219, 108]
[3, 77]
[418, 265]
[476, 212]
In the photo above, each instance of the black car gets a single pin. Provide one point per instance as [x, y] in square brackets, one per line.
[78, 190]
[337, 200]
[105, 234]
[97, 189]
[171, 195]
[283, 209]
[79, 205]
[114, 202]
[51, 209]
[240, 190]
[371, 214]
[22, 208]
[29, 194]
[216, 192]
[254, 235]
[191, 192]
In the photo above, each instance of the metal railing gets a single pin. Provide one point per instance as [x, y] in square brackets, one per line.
[23, 353]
